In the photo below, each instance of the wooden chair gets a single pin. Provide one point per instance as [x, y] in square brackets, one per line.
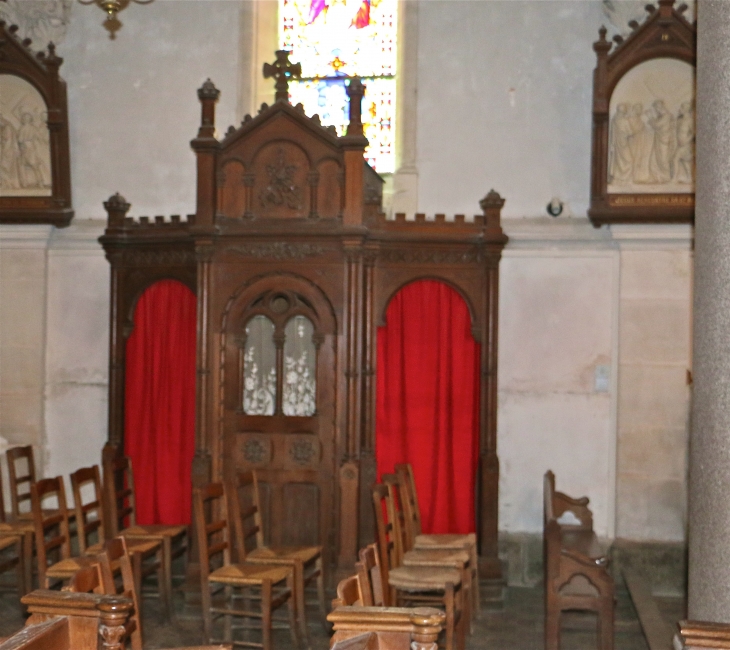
[274, 584]
[370, 577]
[420, 585]
[147, 555]
[576, 568]
[348, 593]
[52, 533]
[430, 557]
[115, 553]
[20, 480]
[306, 561]
[415, 539]
[120, 506]
[12, 530]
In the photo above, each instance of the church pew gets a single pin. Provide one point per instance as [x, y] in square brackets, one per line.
[396, 628]
[66, 620]
[693, 635]
[576, 567]
[62, 620]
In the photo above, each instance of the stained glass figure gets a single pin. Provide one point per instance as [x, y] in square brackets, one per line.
[337, 39]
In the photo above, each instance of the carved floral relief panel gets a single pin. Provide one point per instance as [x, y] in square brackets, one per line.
[652, 130]
[25, 150]
[281, 187]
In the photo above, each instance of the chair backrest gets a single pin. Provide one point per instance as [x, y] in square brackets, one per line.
[20, 479]
[115, 554]
[370, 577]
[213, 535]
[51, 525]
[388, 530]
[89, 515]
[348, 593]
[566, 511]
[118, 490]
[409, 503]
[2, 499]
[247, 521]
[86, 580]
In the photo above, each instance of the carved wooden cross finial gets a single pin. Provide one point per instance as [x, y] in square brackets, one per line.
[282, 70]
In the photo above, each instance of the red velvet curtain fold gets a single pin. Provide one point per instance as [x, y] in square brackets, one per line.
[159, 418]
[427, 411]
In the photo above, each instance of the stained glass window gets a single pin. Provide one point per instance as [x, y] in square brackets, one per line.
[337, 39]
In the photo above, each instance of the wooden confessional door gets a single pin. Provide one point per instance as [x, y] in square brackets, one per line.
[280, 412]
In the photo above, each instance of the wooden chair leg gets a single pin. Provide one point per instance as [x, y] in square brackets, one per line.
[476, 596]
[163, 585]
[450, 615]
[298, 596]
[605, 626]
[466, 598]
[28, 561]
[552, 628]
[462, 599]
[295, 607]
[320, 594]
[167, 566]
[207, 615]
[227, 619]
[266, 614]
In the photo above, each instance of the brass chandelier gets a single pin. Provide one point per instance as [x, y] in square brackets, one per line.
[112, 8]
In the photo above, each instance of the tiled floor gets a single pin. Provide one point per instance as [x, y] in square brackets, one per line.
[517, 626]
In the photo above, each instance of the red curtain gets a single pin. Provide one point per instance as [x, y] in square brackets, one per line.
[159, 418]
[427, 410]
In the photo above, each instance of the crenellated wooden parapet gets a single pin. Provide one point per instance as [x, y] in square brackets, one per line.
[141, 251]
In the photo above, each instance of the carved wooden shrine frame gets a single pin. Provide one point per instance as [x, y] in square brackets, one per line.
[666, 33]
[323, 237]
[40, 70]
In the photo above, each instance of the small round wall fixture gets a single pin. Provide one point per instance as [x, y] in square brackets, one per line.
[555, 207]
[112, 8]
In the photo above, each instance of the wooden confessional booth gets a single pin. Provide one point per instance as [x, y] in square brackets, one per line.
[288, 229]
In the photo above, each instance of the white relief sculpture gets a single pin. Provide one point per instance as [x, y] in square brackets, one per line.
[661, 162]
[684, 163]
[25, 150]
[620, 167]
[43, 21]
[652, 130]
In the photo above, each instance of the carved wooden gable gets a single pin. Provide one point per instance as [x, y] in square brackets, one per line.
[35, 178]
[280, 164]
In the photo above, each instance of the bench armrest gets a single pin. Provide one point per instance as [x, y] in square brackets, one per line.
[585, 560]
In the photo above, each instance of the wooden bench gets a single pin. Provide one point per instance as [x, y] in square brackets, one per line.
[395, 628]
[64, 620]
[693, 635]
[576, 567]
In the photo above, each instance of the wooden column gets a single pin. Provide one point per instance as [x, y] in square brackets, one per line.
[489, 462]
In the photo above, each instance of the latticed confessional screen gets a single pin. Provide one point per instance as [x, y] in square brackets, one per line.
[337, 39]
[260, 370]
